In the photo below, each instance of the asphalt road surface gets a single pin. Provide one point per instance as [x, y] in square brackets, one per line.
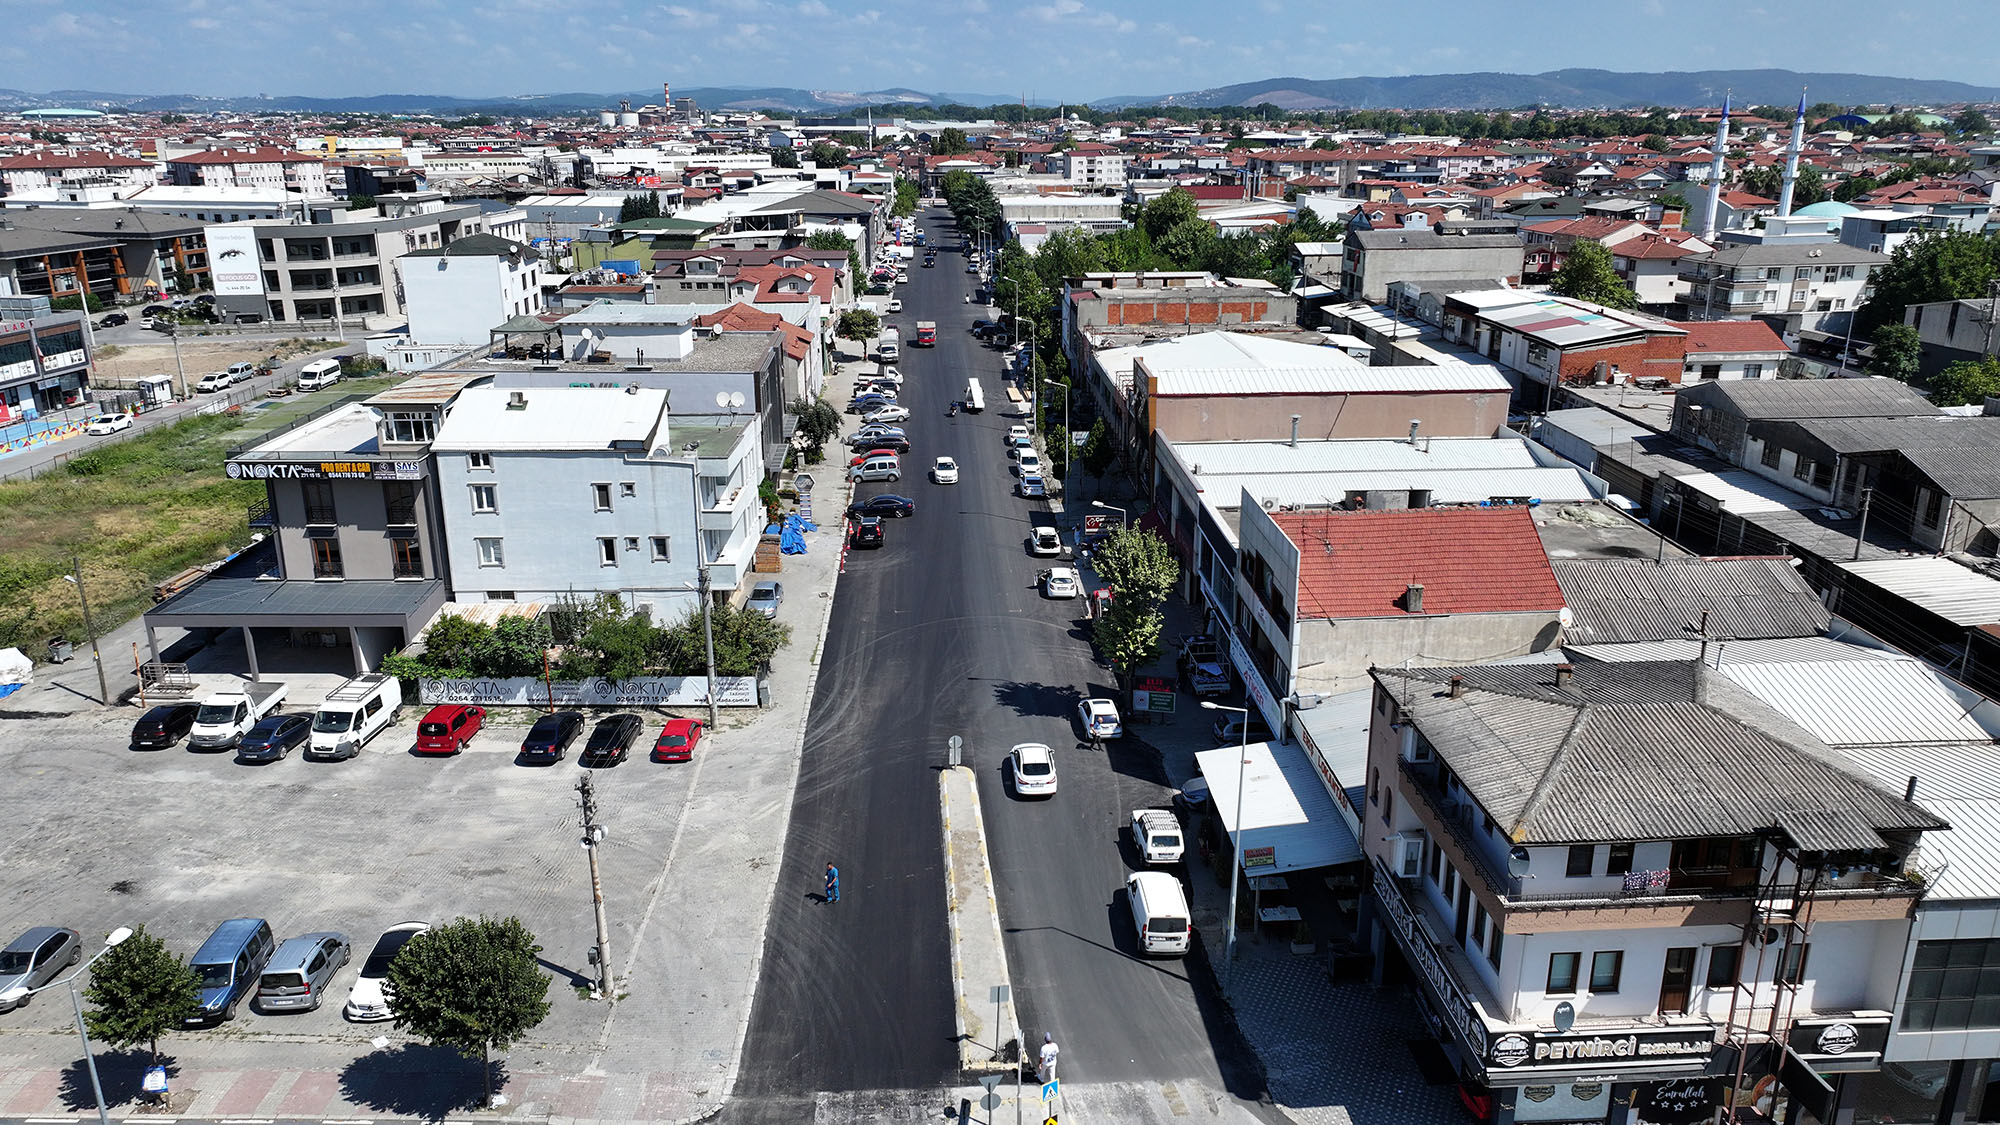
[941, 632]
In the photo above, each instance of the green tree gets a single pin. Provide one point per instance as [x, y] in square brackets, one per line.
[950, 141]
[360, 201]
[1129, 636]
[1933, 266]
[857, 324]
[819, 422]
[1898, 348]
[1657, 143]
[1586, 275]
[1855, 186]
[1188, 244]
[471, 985]
[906, 199]
[1171, 209]
[784, 158]
[745, 642]
[1138, 564]
[826, 154]
[1970, 121]
[139, 991]
[1968, 382]
[834, 240]
[1099, 449]
[645, 205]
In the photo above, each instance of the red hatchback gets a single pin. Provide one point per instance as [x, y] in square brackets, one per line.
[448, 727]
[677, 740]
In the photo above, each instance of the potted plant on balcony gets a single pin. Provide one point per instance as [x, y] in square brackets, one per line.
[1302, 938]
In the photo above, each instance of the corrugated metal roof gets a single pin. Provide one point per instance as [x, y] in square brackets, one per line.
[1356, 455]
[1468, 486]
[1863, 702]
[1285, 806]
[1961, 595]
[1720, 653]
[1640, 600]
[1740, 493]
[1953, 451]
[1827, 830]
[1812, 398]
[1963, 863]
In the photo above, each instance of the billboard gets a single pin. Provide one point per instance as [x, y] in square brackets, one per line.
[233, 265]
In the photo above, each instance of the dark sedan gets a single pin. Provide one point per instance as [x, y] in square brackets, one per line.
[548, 740]
[273, 738]
[163, 726]
[610, 742]
[886, 504]
[866, 532]
[113, 320]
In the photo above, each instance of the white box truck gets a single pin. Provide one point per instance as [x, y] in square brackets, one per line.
[354, 713]
[889, 348]
[975, 398]
[226, 716]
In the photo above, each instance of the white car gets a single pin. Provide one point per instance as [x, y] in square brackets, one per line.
[1028, 463]
[212, 382]
[368, 1001]
[1100, 718]
[1033, 768]
[108, 424]
[1060, 582]
[945, 471]
[888, 375]
[887, 414]
[896, 303]
[1019, 435]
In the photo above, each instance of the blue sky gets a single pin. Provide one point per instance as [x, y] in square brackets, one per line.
[1050, 50]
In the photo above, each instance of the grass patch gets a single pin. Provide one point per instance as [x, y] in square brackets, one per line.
[134, 512]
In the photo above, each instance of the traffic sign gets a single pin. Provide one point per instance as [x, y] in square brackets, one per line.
[1049, 1090]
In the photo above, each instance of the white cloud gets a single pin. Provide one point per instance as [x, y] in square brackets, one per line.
[689, 17]
[813, 8]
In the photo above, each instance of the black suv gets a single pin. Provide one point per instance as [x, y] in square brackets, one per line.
[548, 740]
[163, 726]
[867, 532]
[610, 741]
[113, 320]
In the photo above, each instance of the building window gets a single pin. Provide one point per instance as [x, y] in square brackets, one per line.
[1802, 468]
[1933, 506]
[490, 553]
[412, 426]
[399, 501]
[479, 461]
[499, 595]
[1792, 964]
[1620, 860]
[1771, 455]
[1847, 273]
[1723, 961]
[631, 542]
[1753, 371]
[601, 496]
[407, 558]
[326, 557]
[628, 488]
[1493, 947]
[662, 549]
[319, 501]
[485, 498]
[1582, 859]
[1954, 985]
[1604, 970]
[1562, 973]
[607, 551]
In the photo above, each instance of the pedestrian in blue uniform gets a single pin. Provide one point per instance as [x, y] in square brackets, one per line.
[832, 883]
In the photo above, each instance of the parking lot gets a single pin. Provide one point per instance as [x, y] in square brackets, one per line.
[98, 836]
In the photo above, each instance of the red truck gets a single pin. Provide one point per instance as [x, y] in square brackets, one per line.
[926, 334]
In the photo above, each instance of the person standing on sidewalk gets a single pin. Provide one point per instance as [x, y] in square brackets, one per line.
[1047, 1071]
[832, 883]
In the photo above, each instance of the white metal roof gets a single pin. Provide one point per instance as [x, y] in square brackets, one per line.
[1958, 783]
[1285, 806]
[1723, 653]
[1263, 458]
[555, 418]
[1741, 493]
[1446, 486]
[1960, 595]
[1860, 702]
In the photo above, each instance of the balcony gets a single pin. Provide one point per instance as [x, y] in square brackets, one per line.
[320, 515]
[262, 516]
[403, 513]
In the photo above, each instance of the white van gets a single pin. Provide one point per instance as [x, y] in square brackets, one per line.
[1159, 914]
[975, 397]
[354, 713]
[319, 374]
[877, 468]
[242, 372]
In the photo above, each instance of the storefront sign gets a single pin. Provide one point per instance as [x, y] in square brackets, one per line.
[1841, 1044]
[326, 470]
[70, 358]
[645, 691]
[1253, 683]
[1260, 857]
[1453, 1005]
[1153, 695]
[1683, 1101]
[1534, 1049]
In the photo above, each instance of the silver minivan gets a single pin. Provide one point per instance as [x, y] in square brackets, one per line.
[297, 977]
[877, 468]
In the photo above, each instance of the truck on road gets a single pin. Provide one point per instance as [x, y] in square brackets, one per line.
[926, 334]
[975, 398]
[888, 347]
[1157, 836]
[226, 716]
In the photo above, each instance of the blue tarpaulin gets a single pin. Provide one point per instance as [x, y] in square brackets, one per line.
[792, 540]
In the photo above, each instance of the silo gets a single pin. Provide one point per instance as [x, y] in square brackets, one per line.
[606, 117]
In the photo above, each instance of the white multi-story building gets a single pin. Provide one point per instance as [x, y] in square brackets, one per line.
[1615, 881]
[458, 293]
[551, 491]
[1806, 283]
[1091, 166]
[269, 167]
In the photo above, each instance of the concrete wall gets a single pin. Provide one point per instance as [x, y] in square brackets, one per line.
[1207, 308]
[361, 509]
[1335, 655]
[454, 300]
[1379, 267]
[1233, 417]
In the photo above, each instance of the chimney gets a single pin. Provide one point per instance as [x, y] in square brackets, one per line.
[1414, 424]
[516, 400]
[1295, 431]
[1413, 598]
[1457, 687]
[1910, 790]
[1563, 673]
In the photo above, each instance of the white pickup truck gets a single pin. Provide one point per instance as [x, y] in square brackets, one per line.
[1158, 837]
[226, 716]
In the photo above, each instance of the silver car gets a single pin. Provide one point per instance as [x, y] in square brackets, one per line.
[297, 977]
[766, 597]
[33, 960]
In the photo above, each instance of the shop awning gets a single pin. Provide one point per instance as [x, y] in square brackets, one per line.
[1285, 808]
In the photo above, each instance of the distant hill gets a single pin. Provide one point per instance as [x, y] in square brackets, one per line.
[1575, 88]
[780, 98]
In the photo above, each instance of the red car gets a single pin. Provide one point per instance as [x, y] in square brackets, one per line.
[448, 727]
[677, 740]
[884, 452]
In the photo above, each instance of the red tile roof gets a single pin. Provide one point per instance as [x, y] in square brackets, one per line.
[1732, 336]
[742, 318]
[270, 155]
[1469, 560]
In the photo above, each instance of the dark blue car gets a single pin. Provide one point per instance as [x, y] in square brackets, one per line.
[273, 738]
[548, 740]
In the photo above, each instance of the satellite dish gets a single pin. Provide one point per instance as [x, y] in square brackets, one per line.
[722, 398]
[1517, 862]
[1565, 1016]
[1565, 617]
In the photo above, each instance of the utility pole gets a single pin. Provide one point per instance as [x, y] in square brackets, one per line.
[103, 690]
[1861, 533]
[593, 835]
[707, 627]
[174, 334]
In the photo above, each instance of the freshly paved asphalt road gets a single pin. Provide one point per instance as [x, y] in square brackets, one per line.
[942, 632]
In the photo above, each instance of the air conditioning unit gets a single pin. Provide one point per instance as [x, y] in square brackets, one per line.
[1413, 749]
[1408, 856]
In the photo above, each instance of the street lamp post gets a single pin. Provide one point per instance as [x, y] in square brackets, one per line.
[702, 576]
[76, 564]
[111, 940]
[1236, 868]
[1123, 520]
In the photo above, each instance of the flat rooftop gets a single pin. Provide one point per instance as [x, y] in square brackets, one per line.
[727, 352]
[347, 429]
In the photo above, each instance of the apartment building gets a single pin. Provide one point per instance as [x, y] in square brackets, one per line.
[44, 358]
[1632, 889]
[1489, 249]
[1090, 166]
[268, 166]
[1800, 285]
[45, 168]
[458, 293]
[115, 256]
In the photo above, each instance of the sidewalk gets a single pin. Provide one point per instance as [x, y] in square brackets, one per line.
[1333, 1054]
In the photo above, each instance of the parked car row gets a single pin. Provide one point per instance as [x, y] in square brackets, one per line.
[445, 729]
